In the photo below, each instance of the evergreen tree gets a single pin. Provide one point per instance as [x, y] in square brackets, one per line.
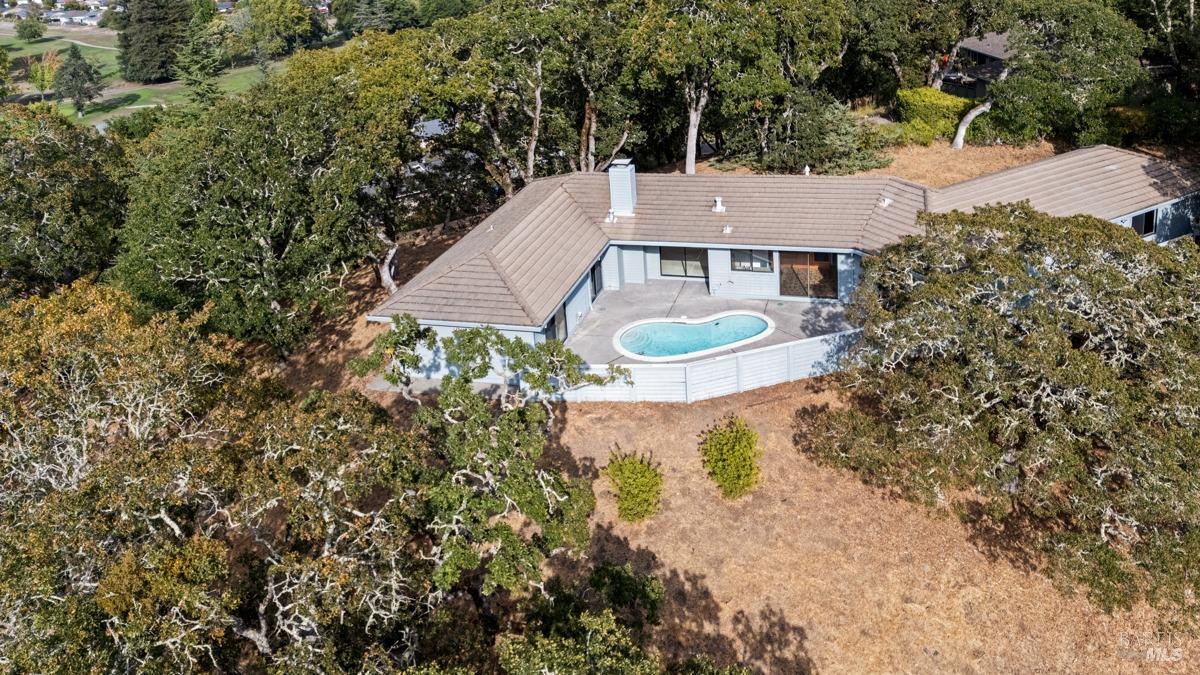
[198, 61]
[5, 75]
[78, 80]
[153, 33]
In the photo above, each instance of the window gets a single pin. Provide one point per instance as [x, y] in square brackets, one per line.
[751, 261]
[1143, 223]
[682, 262]
[597, 279]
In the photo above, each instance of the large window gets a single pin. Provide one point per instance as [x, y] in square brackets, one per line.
[1143, 223]
[751, 261]
[682, 262]
[808, 275]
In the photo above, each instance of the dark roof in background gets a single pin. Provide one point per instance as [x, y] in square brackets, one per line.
[994, 45]
[516, 266]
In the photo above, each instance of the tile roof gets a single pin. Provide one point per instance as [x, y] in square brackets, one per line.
[1100, 181]
[516, 266]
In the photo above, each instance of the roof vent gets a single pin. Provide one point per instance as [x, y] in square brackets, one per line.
[622, 187]
[611, 217]
[807, 170]
[885, 202]
[728, 229]
[718, 205]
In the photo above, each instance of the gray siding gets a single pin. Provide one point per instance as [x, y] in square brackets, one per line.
[579, 303]
[1174, 219]
[653, 263]
[610, 266]
[433, 362]
[849, 271]
[633, 265]
[725, 282]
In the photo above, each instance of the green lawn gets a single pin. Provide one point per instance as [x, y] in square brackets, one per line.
[104, 59]
[127, 101]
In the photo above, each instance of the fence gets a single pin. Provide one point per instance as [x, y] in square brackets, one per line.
[723, 375]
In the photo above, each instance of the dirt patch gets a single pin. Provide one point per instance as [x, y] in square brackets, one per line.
[321, 364]
[816, 572]
[939, 165]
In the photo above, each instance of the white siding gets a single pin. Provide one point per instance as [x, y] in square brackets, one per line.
[724, 375]
[1174, 219]
[633, 265]
[723, 281]
[849, 271]
[610, 268]
[433, 361]
[579, 303]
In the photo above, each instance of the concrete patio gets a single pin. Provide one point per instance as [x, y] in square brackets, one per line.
[612, 310]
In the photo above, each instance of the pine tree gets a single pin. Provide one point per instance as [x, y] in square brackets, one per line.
[153, 33]
[198, 61]
[78, 80]
[5, 74]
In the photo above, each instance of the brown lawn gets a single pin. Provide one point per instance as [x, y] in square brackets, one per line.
[815, 571]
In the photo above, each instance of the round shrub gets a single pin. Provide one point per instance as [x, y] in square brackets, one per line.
[937, 109]
[639, 486]
[730, 452]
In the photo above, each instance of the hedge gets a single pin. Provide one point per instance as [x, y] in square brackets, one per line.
[938, 110]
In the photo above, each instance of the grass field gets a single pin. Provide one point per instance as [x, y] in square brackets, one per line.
[122, 98]
[104, 59]
[126, 100]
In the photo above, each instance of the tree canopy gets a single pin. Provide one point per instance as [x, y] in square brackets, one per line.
[61, 200]
[1047, 370]
[152, 34]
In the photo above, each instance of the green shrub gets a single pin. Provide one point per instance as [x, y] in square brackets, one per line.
[730, 452]
[638, 483]
[937, 109]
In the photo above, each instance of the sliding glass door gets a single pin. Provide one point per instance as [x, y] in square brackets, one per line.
[683, 262]
[808, 275]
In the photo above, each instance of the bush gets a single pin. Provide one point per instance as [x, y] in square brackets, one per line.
[730, 452]
[639, 486]
[30, 29]
[937, 109]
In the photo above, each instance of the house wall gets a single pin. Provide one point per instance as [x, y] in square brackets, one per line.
[849, 274]
[725, 282]
[653, 264]
[433, 361]
[610, 266]
[1174, 219]
[579, 303]
[633, 265]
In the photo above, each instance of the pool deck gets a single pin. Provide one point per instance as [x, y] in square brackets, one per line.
[612, 310]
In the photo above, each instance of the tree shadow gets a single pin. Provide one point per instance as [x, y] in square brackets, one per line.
[112, 103]
[1012, 541]
[689, 624]
[558, 455]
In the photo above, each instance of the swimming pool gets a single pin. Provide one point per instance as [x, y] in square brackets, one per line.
[683, 338]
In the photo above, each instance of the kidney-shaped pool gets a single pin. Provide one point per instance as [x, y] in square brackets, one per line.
[683, 338]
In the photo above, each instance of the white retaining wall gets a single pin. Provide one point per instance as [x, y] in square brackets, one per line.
[722, 375]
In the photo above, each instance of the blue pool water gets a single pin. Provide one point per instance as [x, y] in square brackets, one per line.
[672, 338]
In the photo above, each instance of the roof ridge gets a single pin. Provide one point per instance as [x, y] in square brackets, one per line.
[508, 283]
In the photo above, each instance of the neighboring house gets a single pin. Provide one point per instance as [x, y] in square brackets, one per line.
[580, 257]
[979, 63]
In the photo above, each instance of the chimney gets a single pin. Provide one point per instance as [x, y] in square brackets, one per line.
[622, 187]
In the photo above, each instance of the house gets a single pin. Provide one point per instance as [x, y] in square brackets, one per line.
[584, 257]
[979, 63]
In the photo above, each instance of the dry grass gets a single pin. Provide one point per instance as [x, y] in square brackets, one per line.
[934, 166]
[939, 165]
[816, 572]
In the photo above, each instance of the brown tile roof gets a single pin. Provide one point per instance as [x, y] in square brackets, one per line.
[516, 266]
[1100, 181]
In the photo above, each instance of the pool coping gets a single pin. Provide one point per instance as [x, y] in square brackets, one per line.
[616, 339]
